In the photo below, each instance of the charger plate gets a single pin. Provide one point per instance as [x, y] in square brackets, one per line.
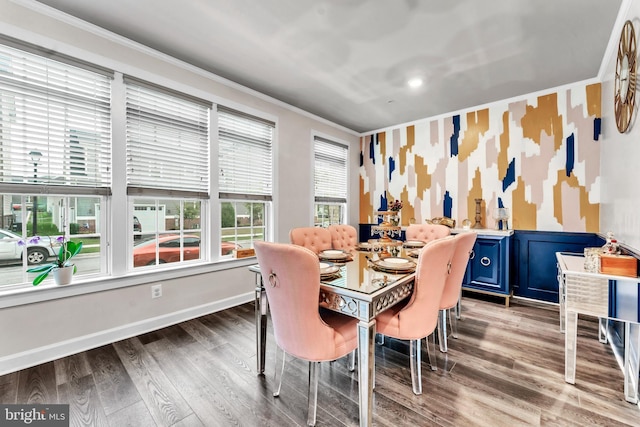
[334, 254]
[396, 265]
[414, 244]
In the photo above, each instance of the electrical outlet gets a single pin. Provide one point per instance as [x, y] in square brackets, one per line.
[156, 291]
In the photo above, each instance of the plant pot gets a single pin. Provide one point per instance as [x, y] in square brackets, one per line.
[63, 276]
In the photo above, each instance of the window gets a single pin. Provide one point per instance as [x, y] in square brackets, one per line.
[170, 231]
[167, 173]
[55, 158]
[246, 178]
[330, 182]
[243, 222]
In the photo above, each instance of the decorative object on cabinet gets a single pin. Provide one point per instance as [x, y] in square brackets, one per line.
[592, 260]
[501, 217]
[451, 223]
[466, 224]
[478, 223]
[625, 78]
[619, 265]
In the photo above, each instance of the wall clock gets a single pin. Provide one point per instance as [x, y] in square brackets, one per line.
[625, 80]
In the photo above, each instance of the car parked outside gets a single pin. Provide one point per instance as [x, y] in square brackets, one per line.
[39, 249]
[144, 253]
[137, 228]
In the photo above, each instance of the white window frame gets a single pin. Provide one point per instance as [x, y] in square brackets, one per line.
[157, 117]
[342, 199]
[238, 126]
[58, 100]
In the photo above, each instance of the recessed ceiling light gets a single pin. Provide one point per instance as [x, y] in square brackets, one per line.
[415, 82]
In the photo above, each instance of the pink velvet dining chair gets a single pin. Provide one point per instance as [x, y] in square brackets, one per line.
[291, 277]
[316, 239]
[343, 236]
[453, 287]
[417, 317]
[426, 232]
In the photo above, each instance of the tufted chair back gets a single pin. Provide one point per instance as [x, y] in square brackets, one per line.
[316, 239]
[343, 236]
[427, 232]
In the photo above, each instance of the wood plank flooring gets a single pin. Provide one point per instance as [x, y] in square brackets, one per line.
[505, 369]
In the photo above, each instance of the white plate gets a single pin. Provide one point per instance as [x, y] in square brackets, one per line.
[333, 254]
[395, 260]
[414, 243]
[324, 265]
[333, 269]
[396, 264]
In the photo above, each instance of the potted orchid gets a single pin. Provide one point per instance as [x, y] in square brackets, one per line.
[62, 267]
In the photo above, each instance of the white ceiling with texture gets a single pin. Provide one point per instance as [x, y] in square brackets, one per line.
[348, 61]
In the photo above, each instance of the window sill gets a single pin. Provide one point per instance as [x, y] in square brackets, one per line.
[80, 286]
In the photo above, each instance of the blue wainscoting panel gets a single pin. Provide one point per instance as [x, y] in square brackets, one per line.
[534, 266]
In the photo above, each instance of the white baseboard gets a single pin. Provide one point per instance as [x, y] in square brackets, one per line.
[27, 359]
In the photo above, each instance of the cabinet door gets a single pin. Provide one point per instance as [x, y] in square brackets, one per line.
[485, 265]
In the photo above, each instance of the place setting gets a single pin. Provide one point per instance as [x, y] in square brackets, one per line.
[413, 244]
[394, 265]
[365, 246]
[413, 253]
[329, 271]
[335, 255]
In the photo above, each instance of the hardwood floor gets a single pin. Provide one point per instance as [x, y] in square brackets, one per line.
[505, 369]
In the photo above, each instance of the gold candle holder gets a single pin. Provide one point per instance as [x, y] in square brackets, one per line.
[478, 223]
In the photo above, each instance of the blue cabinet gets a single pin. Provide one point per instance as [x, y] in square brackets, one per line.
[488, 268]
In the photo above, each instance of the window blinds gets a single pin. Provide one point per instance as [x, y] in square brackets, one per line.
[245, 150]
[330, 176]
[167, 142]
[55, 125]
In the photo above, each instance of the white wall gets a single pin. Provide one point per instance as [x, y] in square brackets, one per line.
[620, 157]
[33, 333]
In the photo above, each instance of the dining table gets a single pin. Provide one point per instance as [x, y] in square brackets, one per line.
[361, 283]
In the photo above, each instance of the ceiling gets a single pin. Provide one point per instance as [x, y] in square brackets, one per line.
[349, 61]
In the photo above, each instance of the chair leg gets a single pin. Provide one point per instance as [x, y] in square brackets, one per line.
[416, 375]
[442, 330]
[454, 325]
[275, 373]
[431, 352]
[352, 360]
[459, 306]
[314, 369]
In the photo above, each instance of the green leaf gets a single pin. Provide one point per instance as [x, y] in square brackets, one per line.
[43, 267]
[40, 278]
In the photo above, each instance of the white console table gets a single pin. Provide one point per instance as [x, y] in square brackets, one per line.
[587, 293]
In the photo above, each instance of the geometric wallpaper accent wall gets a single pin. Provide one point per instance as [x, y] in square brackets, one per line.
[539, 157]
